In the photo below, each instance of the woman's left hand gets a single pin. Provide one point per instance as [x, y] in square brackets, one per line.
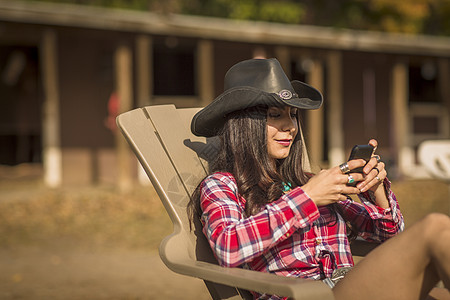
[374, 172]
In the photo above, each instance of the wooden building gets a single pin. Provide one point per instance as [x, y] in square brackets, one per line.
[63, 68]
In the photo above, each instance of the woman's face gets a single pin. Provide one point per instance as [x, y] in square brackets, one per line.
[281, 130]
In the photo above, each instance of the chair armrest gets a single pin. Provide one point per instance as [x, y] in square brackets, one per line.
[296, 288]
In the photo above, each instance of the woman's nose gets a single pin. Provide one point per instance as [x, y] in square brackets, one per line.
[289, 124]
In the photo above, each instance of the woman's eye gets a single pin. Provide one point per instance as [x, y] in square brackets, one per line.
[294, 115]
[274, 115]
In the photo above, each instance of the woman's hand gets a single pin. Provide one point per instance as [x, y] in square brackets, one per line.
[330, 186]
[374, 172]
[374, 175]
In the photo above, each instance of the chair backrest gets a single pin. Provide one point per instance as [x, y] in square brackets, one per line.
[168, 153]
[175, 161]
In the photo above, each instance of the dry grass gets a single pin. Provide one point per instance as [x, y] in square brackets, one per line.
[418, 198]
[30, 214]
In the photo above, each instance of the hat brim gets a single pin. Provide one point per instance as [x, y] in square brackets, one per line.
[208, 121]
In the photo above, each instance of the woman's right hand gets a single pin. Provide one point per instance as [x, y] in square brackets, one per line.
[330, 185]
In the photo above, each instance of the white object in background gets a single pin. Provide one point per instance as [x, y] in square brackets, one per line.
[435, 156]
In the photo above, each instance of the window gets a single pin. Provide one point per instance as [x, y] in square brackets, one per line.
[174, 67]
[423, 82]
[429, 118]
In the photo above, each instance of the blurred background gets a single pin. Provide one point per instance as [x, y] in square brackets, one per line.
[79, 219]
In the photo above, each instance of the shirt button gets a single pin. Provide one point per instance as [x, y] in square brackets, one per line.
[288, 235]
[318, 241]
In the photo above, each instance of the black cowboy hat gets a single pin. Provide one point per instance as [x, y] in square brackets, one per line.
[252, 83]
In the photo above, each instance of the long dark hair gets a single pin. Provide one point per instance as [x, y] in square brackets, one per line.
[243, 153]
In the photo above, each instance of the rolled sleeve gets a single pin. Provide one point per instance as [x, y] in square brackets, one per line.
[382, 223]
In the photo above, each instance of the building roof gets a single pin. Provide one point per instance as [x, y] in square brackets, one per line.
[81, 16]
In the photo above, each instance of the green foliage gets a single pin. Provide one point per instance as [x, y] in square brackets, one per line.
[255, 10]
[279, 11]
[407, 16]
[286, 13]
[125, 4]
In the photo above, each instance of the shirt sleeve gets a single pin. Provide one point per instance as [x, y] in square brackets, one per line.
[236, 239]
[375, 223]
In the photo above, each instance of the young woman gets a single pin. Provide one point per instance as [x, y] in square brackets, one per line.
[261, 210]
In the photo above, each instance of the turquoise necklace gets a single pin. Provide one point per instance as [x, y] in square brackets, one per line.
[286, 187]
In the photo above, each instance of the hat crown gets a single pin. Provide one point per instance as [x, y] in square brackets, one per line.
[263, 74]
[252, 83]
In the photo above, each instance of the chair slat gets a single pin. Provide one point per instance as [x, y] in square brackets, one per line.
[141, 135]
[181, 145]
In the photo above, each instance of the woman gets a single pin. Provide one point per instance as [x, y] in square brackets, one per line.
[261, 210]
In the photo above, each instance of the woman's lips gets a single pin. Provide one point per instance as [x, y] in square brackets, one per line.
[284, 142]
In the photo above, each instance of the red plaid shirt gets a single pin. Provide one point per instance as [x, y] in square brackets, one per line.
[290, 236]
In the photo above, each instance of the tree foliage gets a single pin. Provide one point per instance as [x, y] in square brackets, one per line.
[413, 16]
[406, 16]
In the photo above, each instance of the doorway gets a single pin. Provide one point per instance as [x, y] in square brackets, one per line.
[20, 106]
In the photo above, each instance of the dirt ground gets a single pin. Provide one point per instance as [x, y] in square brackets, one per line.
[43, 257]
[85, 243]
[70, 272]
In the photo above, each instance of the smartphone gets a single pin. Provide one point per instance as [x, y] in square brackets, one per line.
[360, 151]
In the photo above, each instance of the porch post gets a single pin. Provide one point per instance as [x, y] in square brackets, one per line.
[144, 84]
[315, 119]
[51, 140]
[124, 87]
[335, 111]
[206, 71]
[444, 79]
[399, 118]
[284, 57]
[144, 80]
